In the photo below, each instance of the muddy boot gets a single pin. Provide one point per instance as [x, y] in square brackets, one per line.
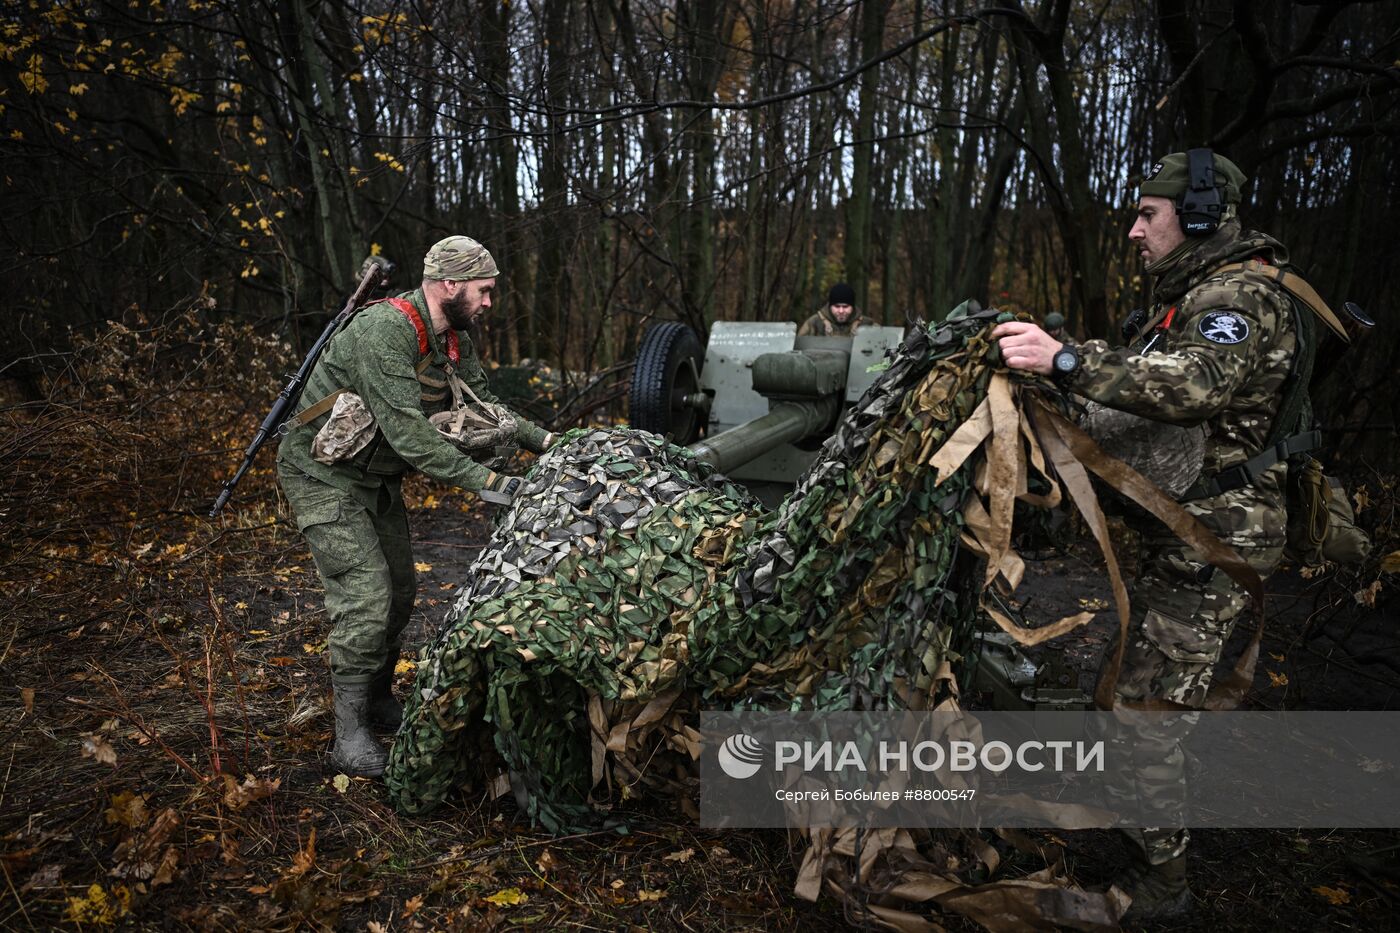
[385, 711]
[1159, 892]
[356, 750]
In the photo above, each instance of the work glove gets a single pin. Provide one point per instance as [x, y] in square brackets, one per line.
[501, 489]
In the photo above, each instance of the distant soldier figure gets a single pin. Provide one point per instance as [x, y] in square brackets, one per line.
[839, 317]
[1215, 350]
[399, 388]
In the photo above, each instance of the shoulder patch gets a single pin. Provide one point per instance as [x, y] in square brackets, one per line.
[1225, 327]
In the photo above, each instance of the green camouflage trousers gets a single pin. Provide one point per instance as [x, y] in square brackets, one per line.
[365, 560]
[1183, 611]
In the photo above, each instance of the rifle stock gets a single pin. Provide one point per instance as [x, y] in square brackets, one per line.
[291, 392]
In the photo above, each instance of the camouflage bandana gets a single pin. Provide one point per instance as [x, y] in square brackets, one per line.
[1231, 243]
[457, 259]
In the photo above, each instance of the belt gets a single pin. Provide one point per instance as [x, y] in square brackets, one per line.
[1249, 472]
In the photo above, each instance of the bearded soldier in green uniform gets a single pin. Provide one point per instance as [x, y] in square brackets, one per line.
[396, 389]
[839, 317]
[1215, 350]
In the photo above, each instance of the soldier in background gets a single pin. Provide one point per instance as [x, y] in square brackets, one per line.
[839, 317]
[386, 395]
[1215, 350]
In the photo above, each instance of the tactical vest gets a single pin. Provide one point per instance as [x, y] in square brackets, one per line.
[1291, 433]
[379, 457]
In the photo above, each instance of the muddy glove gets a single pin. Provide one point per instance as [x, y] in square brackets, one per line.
[500, 490]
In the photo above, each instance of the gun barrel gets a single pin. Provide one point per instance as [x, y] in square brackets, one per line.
[786, 422]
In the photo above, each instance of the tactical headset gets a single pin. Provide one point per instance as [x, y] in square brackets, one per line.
[1199, 207]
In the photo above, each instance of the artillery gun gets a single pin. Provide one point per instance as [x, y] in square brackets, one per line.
[758, 402]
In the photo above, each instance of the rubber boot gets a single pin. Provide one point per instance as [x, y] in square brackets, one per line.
[356, 749]
[385, 711]
[1159, 892]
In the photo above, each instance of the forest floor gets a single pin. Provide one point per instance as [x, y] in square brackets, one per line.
[171, 770]
[165, 719]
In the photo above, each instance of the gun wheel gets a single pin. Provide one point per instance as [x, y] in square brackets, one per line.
[665, 383]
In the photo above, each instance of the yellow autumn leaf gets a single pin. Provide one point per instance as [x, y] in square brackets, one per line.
[99, 907]
[508, 897]
[341, 782]
[1278, 680]
[32, 77]
[431, 502]
[405, 666]
[1335, 896]
[645, 895]
[1390, 563]
[422, 567]
[1277, 657]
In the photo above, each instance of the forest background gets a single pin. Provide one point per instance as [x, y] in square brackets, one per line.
[629, 161]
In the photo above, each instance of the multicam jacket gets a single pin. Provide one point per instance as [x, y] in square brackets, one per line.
[822, 324]
[1222, 358]
[377, 357]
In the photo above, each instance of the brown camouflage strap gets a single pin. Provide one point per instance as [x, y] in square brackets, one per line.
[315, 410]
[1296, 286]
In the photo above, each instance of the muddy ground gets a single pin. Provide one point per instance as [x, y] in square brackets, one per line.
[167, 769]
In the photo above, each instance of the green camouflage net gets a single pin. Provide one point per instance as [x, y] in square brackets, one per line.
[629, 585]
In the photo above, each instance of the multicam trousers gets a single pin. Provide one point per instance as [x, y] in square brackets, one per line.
[1183, 611]
[365, 561]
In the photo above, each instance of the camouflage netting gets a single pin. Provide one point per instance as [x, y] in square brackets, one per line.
[629, 586]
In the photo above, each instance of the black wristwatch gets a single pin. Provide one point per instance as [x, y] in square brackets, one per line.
[1065, 364]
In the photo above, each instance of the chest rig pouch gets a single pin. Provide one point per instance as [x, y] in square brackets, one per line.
[469, 423]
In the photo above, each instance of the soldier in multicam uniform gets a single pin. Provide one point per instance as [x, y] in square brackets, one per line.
[839, 317]
[341, 467]
[1216, 352]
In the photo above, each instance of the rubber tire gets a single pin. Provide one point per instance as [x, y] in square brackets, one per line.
[664, 351]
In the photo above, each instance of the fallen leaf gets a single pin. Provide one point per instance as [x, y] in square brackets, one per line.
[127, 809]
[546, 861]
[237, 796]
[97, 748]
[617, 884]
[1367, 595]
[281, 661]
[684, 855]
[26, 697]
[341, 782]
[410, 906]
[1390, 563]
[422, 567]
[1361, 499]
[318, 648]
[1335, 896]
[1277, 657]
[508, 897]
[305, 859]
[1278, 680]
[99, 907]
[405, 666]
[645, 895]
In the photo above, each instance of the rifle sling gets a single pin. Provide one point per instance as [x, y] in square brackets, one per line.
[316, 409]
